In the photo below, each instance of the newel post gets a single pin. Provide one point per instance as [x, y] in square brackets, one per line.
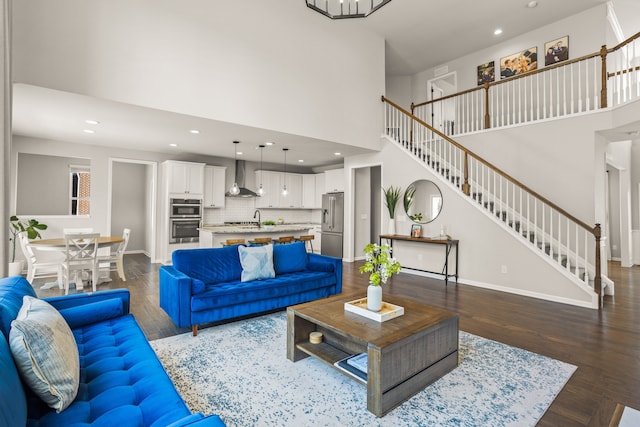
[597, 281]
[466, 188]
[604, 78]
[487, 118]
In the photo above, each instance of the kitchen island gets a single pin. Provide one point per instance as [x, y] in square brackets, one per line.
[213, 236]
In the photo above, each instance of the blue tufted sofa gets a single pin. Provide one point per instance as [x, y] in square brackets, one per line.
[122, 382]
[204, 285]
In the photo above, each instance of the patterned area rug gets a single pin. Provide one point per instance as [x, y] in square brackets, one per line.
[240, 372]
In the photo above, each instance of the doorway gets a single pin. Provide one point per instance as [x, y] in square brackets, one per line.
[442, 114]
[131, 203]
[367, 207]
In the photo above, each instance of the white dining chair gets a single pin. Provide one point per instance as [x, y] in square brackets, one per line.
[115, 261]
[37, 268]
[81, 252]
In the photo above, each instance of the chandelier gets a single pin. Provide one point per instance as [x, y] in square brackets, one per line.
[339, 9]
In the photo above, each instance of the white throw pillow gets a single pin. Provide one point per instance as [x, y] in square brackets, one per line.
[257, 262]
[46, 353]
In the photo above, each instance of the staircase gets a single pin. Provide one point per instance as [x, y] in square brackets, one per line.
[567, 243]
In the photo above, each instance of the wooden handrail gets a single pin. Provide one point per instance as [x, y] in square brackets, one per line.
[492, 167]
[536, 71]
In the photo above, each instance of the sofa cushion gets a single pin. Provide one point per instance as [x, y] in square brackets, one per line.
[12, 289]
[232, 293]
[210, 265]
[45, 352]
[289, 258]
[257, 262]
[95, 311]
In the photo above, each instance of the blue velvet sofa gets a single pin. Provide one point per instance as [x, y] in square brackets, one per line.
[205, 285]
[122, 382]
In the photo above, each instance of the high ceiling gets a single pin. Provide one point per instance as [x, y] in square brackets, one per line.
[445, 29]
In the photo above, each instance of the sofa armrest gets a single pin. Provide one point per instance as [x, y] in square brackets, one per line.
[69, 301]
[335, 262]
[198, 420]
[175, 295]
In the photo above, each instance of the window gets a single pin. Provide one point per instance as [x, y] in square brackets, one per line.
[79, 190]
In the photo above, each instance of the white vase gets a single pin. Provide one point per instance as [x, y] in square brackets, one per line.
[374, 298]
[15, 268]
[392, 226]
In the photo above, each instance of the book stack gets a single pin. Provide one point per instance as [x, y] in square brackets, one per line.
[355, 365]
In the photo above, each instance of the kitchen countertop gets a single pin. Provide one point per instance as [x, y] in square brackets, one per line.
[253, 229]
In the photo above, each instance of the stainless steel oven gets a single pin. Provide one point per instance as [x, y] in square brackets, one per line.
[184, 230]
[185, 208]
[184, 220]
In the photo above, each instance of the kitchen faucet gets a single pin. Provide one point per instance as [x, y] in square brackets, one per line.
[257, 212]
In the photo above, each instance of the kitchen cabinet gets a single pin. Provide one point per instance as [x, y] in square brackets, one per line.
[320, 190]
[272, 186]
[309, 191]
[293, 199]
[334, 180]
[185, 179]
[214, 186]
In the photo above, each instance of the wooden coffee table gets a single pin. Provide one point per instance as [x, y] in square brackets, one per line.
[404, 354]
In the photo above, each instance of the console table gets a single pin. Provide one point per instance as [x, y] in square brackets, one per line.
[448, 245]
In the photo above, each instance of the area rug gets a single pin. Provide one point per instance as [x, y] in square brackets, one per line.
[240, 372]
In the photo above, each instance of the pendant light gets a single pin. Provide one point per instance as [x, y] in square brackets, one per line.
[284, 184]
[235, 190]
[260, 189]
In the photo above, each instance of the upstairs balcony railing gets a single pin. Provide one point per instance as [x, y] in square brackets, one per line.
[607, 78]
[565, 239]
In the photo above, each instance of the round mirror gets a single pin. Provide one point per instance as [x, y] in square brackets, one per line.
[422, 201]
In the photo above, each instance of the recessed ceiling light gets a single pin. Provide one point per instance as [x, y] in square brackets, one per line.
[173, 145]
[89, 131]
[269, 143]
[498, 31]
[337, 154]
[532, 4]
[301, 161]
[239, 153]
[194, 131]
[92, 122]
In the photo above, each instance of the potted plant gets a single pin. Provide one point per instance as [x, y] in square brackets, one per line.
[269, 224]
[391, 198]
[17, 226]
[381, 266]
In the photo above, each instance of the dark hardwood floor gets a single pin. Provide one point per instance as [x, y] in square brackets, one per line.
[605, 345]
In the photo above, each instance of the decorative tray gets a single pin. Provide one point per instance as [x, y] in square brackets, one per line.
[387, 312]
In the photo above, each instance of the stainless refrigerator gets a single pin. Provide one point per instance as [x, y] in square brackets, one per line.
[332, 224]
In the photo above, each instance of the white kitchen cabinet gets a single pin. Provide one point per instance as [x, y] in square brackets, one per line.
[185, 179]
[214, 186]
[272, 186]
[334, 180]
[309, 191]
[320, 190]
[293, 199]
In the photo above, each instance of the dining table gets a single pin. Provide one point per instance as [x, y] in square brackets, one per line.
[59, 244]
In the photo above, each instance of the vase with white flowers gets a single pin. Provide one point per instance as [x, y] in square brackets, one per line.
[381, 266]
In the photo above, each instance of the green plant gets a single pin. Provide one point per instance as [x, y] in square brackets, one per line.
[379, 263]
[269, 222]
[391, 198]
[17, 226]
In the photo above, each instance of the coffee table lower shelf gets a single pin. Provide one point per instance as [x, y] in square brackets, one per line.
[328, 354]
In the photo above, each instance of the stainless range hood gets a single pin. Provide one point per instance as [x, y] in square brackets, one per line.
[240, 175]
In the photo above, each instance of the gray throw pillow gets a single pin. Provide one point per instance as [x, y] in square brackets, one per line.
[46, 353]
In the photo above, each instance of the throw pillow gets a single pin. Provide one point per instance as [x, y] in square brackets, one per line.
[290, 257]
[46, 353]
[257, 262]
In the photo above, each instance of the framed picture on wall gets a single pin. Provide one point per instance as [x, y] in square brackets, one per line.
[486, 73]
[519, 63]
[556, 50]
[416, 230]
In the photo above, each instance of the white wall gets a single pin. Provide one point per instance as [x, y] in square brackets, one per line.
[268, 64]
[128, 203]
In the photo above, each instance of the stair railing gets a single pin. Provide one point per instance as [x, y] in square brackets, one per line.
[566, 239]
[571, 87]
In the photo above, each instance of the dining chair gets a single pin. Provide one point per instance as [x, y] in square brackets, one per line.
[115, 260]
[81, 252]
[37, 268]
